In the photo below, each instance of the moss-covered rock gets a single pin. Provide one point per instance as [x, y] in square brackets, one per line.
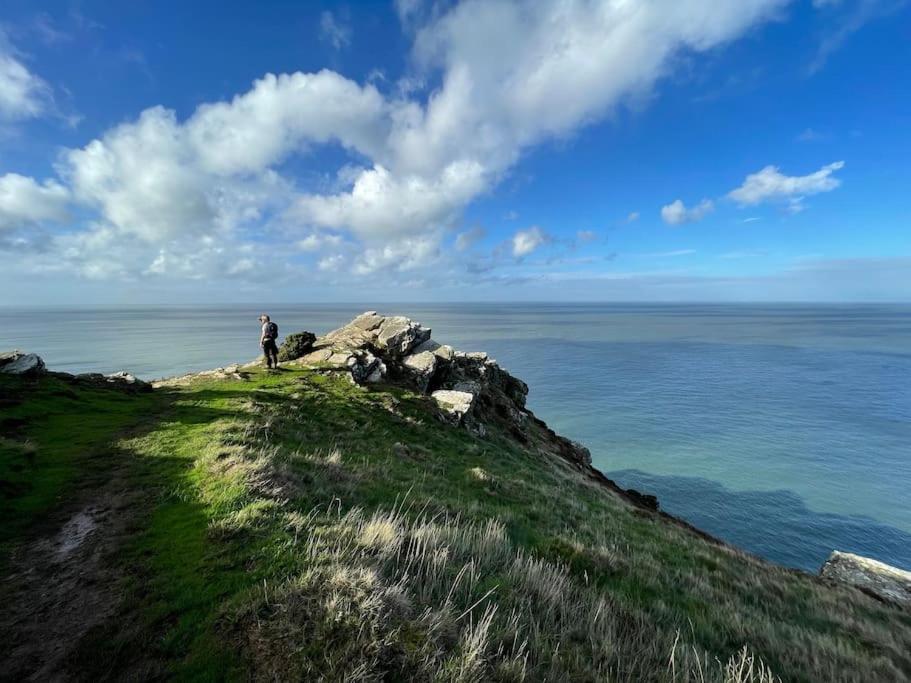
[296, 345]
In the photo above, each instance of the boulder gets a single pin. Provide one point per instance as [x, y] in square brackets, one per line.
[876, 578]
[399, 335]
[296, 345]
[365, 367]
[18, 363]
[442, 351]
[455, 403]
[421, 366]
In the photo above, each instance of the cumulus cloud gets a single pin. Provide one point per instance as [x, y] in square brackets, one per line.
[676, 213]
[525, 242]
[24, 202]
[770, 184]
[23, 95]
[401, 255]
[510, 75]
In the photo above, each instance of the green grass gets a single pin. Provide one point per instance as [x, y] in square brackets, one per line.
[53, 435]
[303, 528]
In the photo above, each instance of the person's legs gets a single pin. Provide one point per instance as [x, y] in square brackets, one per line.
[274, 349]
[267, 354]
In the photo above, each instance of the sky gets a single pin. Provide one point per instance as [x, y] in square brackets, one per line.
[558, 150]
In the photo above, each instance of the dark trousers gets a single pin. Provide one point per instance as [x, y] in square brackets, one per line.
[270, 351]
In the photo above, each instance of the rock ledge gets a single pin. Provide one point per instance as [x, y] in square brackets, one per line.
[871, 576]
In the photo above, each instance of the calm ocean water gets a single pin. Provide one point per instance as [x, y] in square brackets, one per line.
[783, 429]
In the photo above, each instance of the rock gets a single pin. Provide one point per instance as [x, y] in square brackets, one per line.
[122, 379]
[17, 363]
[421, 367]
[296, 345]
[366, 368]
[319, 356]
[642, 499]
[455, 403]
[368, 321]
[399, 335]
[442, 351]
[876, 578]
[583, 455]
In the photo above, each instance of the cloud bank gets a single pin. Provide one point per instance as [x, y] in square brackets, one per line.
[201, 197]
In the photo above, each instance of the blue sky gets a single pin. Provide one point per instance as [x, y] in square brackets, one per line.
[685, 150]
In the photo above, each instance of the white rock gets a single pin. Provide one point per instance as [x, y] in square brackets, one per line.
[456, 403]
[421, 366]
[399, 335]
[443, 351]
[16, 363]
[883, 580]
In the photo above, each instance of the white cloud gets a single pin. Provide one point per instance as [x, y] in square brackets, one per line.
[770, 184]
[400, 255]
[334, 31]
[24, 202]
[525, 242]
[331, 263]
[510, 75]
[465, 240]
[676, 212]
[23, 95]
[633, 217]
[381, 204]
[318, 241]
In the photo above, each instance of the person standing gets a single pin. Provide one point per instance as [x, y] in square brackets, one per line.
[267, 341]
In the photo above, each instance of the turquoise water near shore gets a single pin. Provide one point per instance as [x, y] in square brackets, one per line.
[785, 429]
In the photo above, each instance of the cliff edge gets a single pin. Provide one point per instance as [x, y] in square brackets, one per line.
[382, 507]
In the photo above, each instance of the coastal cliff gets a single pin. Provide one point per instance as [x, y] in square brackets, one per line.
[383, 507]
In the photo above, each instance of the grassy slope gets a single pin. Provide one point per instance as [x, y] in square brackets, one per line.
[302, 527]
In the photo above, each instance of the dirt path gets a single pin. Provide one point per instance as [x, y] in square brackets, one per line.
[63, 584]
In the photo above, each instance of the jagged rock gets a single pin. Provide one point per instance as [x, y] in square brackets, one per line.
[365, 367]
[876, 578]
[421, 367]
[18, 363]
[443, 351]
[583, 455]
[368, 321]
[399, 335]
[456, 403]
[296, 345]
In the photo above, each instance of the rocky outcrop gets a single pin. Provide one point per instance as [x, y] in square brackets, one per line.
[470, 389]
[18, 363]
[875, 578]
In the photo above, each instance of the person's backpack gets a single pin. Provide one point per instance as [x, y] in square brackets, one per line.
[272, 331]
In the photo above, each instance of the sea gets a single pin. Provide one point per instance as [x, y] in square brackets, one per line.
[783, 429]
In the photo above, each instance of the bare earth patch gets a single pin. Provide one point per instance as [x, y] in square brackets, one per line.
[62, 585]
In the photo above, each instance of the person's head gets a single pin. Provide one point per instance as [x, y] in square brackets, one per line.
[264, 318]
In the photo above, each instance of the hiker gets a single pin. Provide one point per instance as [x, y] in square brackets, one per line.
[267, 341]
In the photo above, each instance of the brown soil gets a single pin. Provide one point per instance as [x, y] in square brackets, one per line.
[64, 584]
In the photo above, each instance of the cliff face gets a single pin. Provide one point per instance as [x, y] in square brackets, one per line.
[382, 507]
